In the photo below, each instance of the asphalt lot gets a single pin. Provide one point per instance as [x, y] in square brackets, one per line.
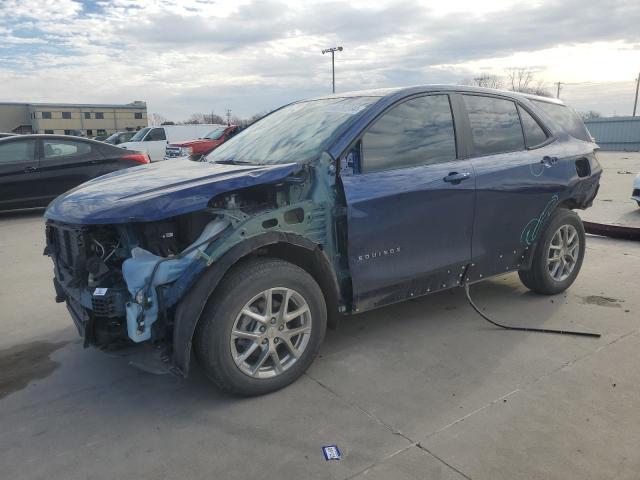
[424, 389]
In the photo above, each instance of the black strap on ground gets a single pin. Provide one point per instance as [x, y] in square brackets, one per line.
[525, 329]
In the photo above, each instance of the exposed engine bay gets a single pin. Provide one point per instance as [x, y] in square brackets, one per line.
[122, 282]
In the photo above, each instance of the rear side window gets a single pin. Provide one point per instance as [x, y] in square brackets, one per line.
[416, 132]
[495, 125]
[534, 135]
[65, 148]
[567, 118]
[16, 152]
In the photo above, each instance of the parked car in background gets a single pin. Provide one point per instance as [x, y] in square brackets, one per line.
[154, 140]
[3, 135]
[636, 189]
[195, 149]
[340, 204]
[34, 169]
[119, 137]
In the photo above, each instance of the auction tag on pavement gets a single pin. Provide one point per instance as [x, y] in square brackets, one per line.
[100, 292]
[331, 452]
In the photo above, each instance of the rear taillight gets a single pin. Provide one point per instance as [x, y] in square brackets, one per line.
[137, 157]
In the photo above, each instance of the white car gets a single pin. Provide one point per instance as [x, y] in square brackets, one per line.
[636, 189]
[154, 140]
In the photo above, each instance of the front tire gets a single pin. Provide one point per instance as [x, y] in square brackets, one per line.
[262, 328]
[558, 256]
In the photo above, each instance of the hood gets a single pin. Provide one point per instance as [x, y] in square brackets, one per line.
[157, 191]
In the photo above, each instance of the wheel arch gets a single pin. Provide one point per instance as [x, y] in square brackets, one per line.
[289, 247]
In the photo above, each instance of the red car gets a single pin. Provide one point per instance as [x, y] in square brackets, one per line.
[202, 146]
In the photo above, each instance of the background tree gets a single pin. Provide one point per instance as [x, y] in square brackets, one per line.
[591, 114]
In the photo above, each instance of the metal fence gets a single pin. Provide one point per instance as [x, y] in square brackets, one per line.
[616, 133]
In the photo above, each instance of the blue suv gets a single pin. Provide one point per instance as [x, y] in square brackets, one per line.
[325, 207]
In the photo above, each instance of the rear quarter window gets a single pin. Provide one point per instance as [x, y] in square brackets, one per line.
[566, 118]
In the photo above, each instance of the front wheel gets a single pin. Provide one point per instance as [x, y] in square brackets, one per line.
[262, 328]
[558, 255]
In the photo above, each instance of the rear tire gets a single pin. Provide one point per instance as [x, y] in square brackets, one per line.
[558, 255]
[249, 340]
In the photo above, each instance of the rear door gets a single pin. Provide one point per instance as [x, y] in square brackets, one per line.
[66, 163]
[518, 181]
[17, 169]
[410, 206]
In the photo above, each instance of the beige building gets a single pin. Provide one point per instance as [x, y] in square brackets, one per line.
[72, 119]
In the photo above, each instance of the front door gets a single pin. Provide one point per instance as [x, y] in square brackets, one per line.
[17, 168]
[410, 205]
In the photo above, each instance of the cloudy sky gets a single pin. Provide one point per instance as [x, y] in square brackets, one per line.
[185, 56]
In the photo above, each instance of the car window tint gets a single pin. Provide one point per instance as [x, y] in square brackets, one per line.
[156, 134]
[567, 118]
[13, 152]
[64, 148]
[495, 125]
[534, 135]
[416, 132]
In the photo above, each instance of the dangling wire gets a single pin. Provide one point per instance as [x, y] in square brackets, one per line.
[524, 329]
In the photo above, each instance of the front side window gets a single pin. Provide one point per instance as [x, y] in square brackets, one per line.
[16, 152]
[495, 125]
[156, 134]
[64, 148]
[534, 135]
[416, 132]
[299, 132]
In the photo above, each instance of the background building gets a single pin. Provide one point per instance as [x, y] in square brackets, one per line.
[72, 119]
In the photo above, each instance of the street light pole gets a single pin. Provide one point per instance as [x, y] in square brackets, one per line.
[333, 51]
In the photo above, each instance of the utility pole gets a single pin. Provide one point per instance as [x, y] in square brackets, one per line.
[635, 102]
[558, 91]
[333, 51]
[228, 117]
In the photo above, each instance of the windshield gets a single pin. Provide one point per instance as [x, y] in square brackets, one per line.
[112, 139]
[215, 134]
[139, 135]
[296, 133]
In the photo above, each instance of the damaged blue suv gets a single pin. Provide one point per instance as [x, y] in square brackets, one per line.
[325, 207]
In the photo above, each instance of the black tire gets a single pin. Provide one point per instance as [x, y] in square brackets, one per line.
[240, 285]
[538, 278]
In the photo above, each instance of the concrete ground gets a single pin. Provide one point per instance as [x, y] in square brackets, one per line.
[420, 390]
[613, 205]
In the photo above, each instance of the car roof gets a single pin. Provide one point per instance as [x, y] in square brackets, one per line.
[399, 92]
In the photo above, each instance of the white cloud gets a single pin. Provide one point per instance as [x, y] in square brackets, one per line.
[193, 55]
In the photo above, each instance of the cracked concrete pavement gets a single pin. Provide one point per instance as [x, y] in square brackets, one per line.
[424, 389]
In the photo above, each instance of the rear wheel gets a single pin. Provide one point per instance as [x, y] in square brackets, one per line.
[262, 328]
[558, 255]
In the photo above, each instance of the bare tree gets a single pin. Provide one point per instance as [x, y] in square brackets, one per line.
[157, 119]
[204, 118]
[485, 80]
[523, 79]
[591, 114]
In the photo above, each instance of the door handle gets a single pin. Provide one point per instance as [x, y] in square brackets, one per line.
[456, 178]
[29, 169]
